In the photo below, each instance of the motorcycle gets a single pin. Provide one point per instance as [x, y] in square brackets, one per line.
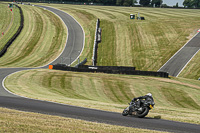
[141, 111]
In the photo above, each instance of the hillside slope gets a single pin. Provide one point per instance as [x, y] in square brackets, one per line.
[176, 98]
[147, 44]
[9, 23]
[41, 40]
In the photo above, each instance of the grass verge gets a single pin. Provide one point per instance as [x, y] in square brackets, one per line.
[192, 70]
[18, 121]
[176, 99]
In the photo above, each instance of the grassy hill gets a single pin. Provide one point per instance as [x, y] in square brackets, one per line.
[176, 98]
[40, 42]
[9, 23]
[147, 44]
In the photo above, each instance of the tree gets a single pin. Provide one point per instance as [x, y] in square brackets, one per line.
[157, 2]
[127, 3]
[134, 2]
[108, 2]
[119, 2]
[165, 5]
[177, 4]
[144, 2]
[196, 3]
[187, 3]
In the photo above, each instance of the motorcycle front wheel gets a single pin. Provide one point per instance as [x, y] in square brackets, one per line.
[143, 113]
[125, 113]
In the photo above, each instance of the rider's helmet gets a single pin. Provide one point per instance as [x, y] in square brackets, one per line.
[149, 94]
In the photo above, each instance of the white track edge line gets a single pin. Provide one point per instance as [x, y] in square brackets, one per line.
[68, 32]
[187, 63]
[3, 82]
[65, 42]
[178, 51]
[45, 100]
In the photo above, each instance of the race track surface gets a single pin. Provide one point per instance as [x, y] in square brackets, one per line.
[177, 63]
[12, 101]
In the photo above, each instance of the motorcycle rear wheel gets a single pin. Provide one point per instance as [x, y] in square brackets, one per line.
[143, 113]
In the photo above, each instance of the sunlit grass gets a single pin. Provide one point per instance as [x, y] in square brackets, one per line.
[40, 42]
[147, 44]
[176, 99]
[9, 23]
[18, 121]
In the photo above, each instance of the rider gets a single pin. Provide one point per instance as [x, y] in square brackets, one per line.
[147, 97]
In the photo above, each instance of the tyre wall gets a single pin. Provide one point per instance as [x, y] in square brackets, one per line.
[7, 45]
[110, 70]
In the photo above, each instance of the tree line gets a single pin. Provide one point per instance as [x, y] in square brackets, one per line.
[156, 3]
[125, 2]
[191, 3]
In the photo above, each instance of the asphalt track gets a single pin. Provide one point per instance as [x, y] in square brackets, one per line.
[178, 62]
[12, 101]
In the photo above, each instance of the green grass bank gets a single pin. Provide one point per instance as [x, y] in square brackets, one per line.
[9, 23]
[176, 99]
[40, 42]
[147, 44]
[20, 122]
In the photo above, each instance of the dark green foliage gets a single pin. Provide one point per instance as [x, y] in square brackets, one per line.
[104, 2]
[144, 2]
[157, 2]
[191, 3]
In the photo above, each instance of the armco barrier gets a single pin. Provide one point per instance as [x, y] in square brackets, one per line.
[96, 41]
[96, 70]
[81, 63]
[119, 68]
[3, 51]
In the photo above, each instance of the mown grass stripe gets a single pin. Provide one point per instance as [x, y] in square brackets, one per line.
[33, 41]
[179, 98]
[13, 28]
[125, 90]
[107, 48]
[48, 41]
[110, 92]
[149, 43]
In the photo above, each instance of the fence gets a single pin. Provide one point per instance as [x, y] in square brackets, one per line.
[81, 63]
[118, 68]
[96, 41]
[7, 45]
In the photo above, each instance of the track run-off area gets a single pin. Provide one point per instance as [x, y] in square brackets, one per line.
[74, 45]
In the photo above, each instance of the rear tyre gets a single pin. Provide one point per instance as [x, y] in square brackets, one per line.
[143, 113]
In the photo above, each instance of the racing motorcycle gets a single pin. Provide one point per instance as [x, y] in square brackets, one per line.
[141, 111]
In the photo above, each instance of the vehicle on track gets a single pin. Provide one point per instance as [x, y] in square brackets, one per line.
[141, 111]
